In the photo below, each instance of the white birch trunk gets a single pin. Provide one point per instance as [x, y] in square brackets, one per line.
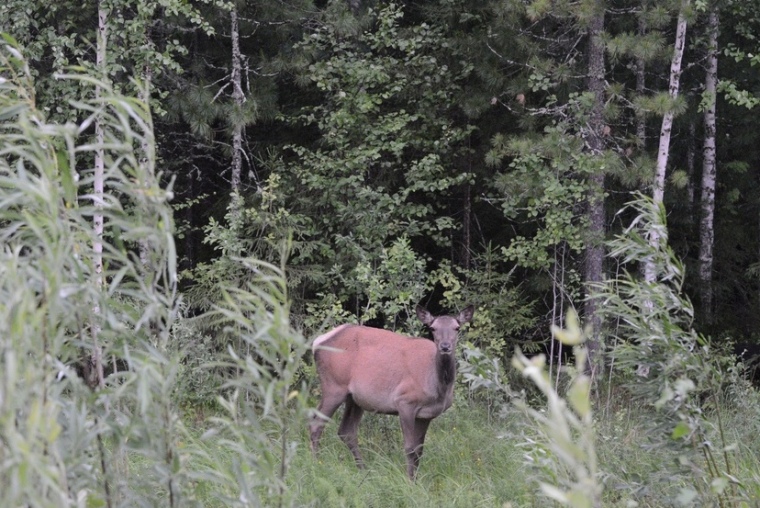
[658, 190]
[98, 192]
[706, 233]
[239, 97]
[144, 95]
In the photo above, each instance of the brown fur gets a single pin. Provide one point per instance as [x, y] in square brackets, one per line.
[376, 370]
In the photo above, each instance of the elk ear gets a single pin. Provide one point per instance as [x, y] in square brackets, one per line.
[424, 316]
[466, 315]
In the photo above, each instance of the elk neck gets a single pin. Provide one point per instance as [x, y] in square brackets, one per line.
[446, 369]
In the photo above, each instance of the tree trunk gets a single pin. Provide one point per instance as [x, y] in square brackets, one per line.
[239, 97]
[658, 190]
[706, 233]
[144, 95]
[691, 157]
[96, 376]
[189, 256]
[641, 81]
[466, 227]
[594, 259]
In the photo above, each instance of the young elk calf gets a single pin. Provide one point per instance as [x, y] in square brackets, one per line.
[384, 372]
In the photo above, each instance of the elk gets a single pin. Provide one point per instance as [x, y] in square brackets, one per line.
[369, 369]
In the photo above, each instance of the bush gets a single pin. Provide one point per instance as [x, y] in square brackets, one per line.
[120, 440]
[665, 364]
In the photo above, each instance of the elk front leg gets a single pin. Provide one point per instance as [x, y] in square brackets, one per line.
[414, 430]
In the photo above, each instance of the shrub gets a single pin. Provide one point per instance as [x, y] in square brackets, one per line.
[121, 441]
[665, 364]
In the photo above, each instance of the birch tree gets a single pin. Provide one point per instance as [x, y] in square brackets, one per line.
[706, 232]
[658, 187]
[97, 197]
[239, 98]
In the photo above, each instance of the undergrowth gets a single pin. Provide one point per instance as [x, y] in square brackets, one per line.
[475, 459]
[466, 463]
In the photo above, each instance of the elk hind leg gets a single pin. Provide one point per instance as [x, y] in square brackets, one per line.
[349, 429]
[327, 406]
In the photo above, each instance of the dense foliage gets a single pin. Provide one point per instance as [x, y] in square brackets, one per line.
[70, 439]
[264, 170]
[459, 129]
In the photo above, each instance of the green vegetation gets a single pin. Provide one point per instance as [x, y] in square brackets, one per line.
[466, 458]
[476, 459]
[157, 302]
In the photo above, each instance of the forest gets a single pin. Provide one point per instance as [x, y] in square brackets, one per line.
[192, 191]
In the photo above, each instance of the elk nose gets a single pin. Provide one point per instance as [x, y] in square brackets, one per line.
[445, 348]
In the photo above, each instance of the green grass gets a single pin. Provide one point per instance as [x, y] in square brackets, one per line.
[474, 459]
[651, 476]
[466, 463]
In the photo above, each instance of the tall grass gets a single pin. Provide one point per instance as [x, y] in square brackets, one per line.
[474, 459]
[563, 444]
[664, 364]
[63, 443]
[468, 462]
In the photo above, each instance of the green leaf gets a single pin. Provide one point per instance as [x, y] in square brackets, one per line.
[680, 430]
[684, 386]
[579, 499]
[718, 485]
[686, 496]
[67, 178]
[12, 111]
[579, 397]
[553, 492]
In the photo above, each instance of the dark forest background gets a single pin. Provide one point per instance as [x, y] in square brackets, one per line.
[436, 151]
